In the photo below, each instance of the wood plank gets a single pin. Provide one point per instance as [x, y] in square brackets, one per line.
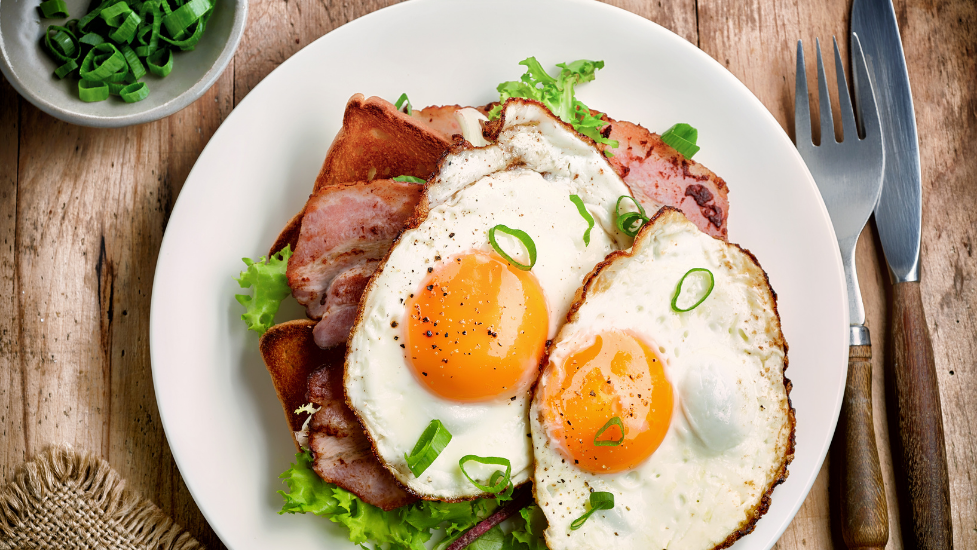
[677, 16]
[91, 208]
[277, 30]
[12, 428]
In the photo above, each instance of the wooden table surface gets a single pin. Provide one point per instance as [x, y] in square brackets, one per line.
[83, 211]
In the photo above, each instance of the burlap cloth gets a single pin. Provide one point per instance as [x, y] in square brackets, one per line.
[67, 499]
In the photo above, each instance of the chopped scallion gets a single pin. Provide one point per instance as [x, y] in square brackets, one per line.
[599, 500]
[496, 483]
[434, 439]
[576, 200]
[134, 92]
[629, 222]
[402, 101]
[90, 92]
[682, 138]
[156, 65]
[408, 179]
[705, 294]
[616, 421]
[523, 237]
[121, 41]
[53, 8]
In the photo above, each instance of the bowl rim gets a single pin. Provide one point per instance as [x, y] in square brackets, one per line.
[160, 111]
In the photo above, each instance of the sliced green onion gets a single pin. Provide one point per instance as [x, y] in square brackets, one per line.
[434, 439]
[575, 199]
[408, 179]
[599, 500]
[103, 62]
[188, 44]
[496, 483]
[154, 30]
[91, 39]
[61, 43]
[678, 289]
[523, 237]
[90, 92]
[616, 421]
[403, 100]
[181, 18]
[134, 92]
[127, 30]
[682, 138]
[116, 88]
[90, 16]
[66, 69]
[115, 14]
[629, 222]
[155, 62]
[53, 8]
[136, 69]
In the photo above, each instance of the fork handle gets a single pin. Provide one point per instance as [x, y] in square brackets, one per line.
[864, 513]
[920, 419]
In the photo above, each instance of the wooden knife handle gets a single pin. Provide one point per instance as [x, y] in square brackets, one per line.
[864, 514]
[920, 419]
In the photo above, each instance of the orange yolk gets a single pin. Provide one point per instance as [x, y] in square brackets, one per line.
[617, 376]
[477, 328]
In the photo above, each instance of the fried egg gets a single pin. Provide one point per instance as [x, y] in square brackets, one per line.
[451, 330]
[683, 416]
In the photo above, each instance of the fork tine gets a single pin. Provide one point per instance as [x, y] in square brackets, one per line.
[827, 122]
[802, 106]
[849, 131]
[868, 112]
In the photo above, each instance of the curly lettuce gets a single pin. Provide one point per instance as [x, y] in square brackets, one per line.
[408, 527]
[557, 93]
[269, 287]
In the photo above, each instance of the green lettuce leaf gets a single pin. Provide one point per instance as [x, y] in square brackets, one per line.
[557, 93]
[269, 286]
[405, 528]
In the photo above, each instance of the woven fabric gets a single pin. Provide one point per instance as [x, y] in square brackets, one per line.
[71, 500]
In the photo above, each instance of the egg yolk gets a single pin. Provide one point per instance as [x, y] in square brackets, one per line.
[476, 329]
[617, 376]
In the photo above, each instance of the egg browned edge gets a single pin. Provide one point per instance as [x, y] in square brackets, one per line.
[421, 212]
[663, 215]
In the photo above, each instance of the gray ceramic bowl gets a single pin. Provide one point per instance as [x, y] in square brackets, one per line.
[30, 69]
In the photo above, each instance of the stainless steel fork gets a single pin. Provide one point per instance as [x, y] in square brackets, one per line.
[849, 176]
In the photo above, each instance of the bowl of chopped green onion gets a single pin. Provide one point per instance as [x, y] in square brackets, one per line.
[114, 63]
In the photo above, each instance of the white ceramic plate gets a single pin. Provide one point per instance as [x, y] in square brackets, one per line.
[222, 419]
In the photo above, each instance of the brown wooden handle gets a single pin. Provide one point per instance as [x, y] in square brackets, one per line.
[920, 419]
[864, 514]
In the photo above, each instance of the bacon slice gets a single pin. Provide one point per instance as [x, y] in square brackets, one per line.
[346, 230]
[659, 175]
[341, 452]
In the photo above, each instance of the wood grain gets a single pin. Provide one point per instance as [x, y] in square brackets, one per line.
[920, 420]
[864, 514]
[82, 213]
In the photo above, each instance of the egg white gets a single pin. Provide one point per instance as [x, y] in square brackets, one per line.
[731, 431]
[523, 181]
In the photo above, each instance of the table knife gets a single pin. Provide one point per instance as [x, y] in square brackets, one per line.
[898, 219]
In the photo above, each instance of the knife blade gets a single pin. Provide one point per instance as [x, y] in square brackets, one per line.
[898, 217]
